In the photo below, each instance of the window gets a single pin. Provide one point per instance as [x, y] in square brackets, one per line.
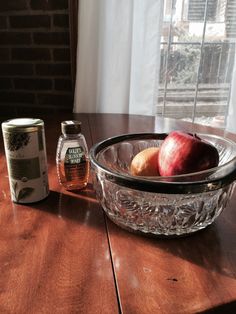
[196, 10]
[197, 59]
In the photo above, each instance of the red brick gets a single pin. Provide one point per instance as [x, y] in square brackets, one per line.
[30, 21]
[3, 22]
[63, 85]
[16, 97]
[10, 69]
[5, 83]
[14, 38]
[24, 110]
[61, 20]
[61, 54]
[62, 69]
[8, 111]
[29, 54]
[52, 38]
[32, 84]
[4, 54]
[55, 99]
[49, 4]
[15, 5]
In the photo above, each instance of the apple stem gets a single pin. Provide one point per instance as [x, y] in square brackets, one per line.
[196, 136]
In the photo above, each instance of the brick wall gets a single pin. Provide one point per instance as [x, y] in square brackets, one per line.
[35, 67]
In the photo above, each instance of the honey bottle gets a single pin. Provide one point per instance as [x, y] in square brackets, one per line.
[72, 157]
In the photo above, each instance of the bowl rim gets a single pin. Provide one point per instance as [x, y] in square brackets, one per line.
[163, 184]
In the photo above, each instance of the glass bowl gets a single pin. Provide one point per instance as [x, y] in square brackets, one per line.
[161, 206]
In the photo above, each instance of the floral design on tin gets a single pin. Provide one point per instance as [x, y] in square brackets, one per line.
[22, 193]
[17, 140]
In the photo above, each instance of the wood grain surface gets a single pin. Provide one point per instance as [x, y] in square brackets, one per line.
[195, 274]
[62, 255]
[54, 254]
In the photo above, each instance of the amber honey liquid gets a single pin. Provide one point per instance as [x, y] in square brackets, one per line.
[75, 176]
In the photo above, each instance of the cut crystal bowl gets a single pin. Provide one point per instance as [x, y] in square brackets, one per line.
[160, 206]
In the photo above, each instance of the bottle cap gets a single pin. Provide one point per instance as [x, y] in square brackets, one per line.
[71, 127]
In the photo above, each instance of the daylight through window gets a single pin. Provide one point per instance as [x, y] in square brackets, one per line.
[197, 59]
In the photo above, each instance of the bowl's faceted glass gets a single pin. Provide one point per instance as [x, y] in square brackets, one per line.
[162, 206]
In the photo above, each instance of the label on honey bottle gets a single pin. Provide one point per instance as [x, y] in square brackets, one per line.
[75, 163]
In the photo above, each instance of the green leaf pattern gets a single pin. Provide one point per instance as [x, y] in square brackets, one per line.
[23, 193]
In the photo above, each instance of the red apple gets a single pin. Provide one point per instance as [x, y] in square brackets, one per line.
[182, 153]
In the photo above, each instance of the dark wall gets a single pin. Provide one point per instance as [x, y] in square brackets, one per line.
[35, 66]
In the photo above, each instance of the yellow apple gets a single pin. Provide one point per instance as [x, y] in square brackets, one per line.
[145, 163]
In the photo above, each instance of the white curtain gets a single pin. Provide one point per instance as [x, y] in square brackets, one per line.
[117, 56]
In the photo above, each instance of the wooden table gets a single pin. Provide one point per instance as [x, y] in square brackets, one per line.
[62, 255]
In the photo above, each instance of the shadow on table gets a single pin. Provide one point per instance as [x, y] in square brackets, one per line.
[209, 248]
[78, 206]
[227, 308]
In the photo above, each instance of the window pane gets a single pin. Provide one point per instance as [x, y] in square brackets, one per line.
[178, 80]
[197, 59]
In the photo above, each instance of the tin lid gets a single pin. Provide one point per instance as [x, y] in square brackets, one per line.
[22, 124]
[71, 127]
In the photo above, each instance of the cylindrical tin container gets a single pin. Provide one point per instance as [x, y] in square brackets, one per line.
[25, 149]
